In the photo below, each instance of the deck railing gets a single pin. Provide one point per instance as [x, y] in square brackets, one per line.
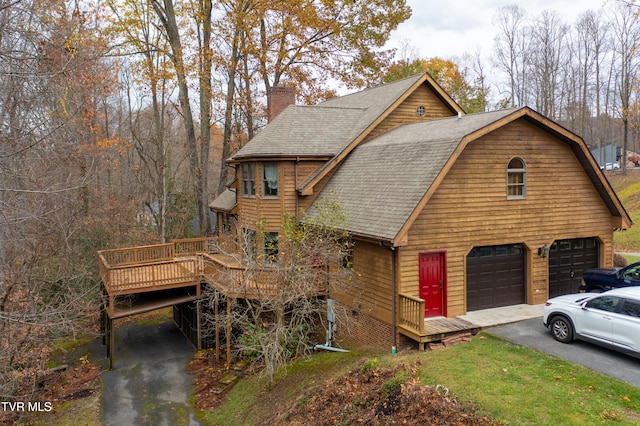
[157, 252]
[185, 262]
[238, 280]
[136, 255]
[153, 276]
[411, 313]
[194, 246]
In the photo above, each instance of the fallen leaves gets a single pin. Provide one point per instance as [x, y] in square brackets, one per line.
[359, 397]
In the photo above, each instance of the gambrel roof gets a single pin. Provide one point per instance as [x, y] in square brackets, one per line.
[383, 184]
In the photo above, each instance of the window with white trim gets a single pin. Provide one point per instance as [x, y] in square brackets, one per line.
[516, 179]
[270, 179]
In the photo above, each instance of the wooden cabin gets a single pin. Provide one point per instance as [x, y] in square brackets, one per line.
[448, 212]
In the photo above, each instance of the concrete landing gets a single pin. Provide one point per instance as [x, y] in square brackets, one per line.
[506, 315]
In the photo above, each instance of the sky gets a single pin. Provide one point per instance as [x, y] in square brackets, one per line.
[450, 28]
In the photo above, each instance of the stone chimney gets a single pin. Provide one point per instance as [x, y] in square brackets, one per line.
[278, 98]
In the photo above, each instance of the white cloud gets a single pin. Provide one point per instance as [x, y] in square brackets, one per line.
[451, 28]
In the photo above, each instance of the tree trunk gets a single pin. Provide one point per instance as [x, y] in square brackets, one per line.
[205, 117]
[167, 15]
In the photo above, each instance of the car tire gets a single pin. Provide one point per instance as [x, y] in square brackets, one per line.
[562, 329]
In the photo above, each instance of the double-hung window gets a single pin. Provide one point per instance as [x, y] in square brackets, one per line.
[270, 179]
[248, 180]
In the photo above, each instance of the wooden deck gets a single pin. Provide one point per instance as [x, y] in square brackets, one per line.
[185, 264]
[414, 325]
[440, 329]
[139, 279]
[145, 278]
[153, 276]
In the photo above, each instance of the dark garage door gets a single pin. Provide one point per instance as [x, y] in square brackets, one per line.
[568, 259]
[495, 277]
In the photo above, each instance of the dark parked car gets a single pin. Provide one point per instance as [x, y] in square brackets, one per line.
[602, 279]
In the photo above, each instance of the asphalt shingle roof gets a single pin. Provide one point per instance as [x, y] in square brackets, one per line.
[224, 202]
[327, 128]
[305, 131]
[381, 182]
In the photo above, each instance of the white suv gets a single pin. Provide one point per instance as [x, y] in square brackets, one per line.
[609, 319]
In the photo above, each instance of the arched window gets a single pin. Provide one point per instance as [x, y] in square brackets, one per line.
[516, 179]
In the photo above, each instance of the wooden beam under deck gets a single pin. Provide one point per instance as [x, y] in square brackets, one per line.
[141, 308]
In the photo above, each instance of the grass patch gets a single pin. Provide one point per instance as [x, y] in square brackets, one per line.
[253, 399]
[62, 349]
[520, 386]
[631, 259]
[158, 316]
[84, 411]
[511, 384]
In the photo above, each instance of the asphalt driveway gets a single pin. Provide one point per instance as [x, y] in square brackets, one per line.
[149, 384]
[533, 334]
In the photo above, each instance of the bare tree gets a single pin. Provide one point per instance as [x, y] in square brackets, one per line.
[147, 87]
[510, 48]
[53, 145]
[547, 52]
[280, 298]
[592, 48]
[198, 157]
[626, 39]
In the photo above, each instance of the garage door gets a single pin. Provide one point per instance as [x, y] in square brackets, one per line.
[495, 277]
[568, 259]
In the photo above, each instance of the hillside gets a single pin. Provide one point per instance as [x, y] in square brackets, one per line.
[628, 189]
[481, 382]
[331, 389]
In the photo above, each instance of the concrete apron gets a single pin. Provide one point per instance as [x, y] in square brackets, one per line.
[506, 315]
[149, 384]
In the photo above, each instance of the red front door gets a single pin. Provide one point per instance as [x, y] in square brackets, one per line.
[432, 283]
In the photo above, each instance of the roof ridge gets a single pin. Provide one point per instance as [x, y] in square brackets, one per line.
[377, 86]
[320, 105]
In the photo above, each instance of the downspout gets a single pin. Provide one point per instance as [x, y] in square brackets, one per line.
[394, 345]
[295, 177]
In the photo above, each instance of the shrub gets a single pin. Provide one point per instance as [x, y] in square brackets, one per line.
[619, 260]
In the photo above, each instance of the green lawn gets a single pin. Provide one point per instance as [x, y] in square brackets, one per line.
[511, 384]
[519, 386]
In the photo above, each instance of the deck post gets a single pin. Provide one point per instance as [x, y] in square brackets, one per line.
[103, 315]
[228, 334]
[111, 343]
[198, 324]
[107, 336]
[216, 309]
[103, 324]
